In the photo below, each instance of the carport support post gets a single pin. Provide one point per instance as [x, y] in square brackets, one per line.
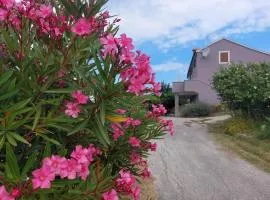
[176, 106]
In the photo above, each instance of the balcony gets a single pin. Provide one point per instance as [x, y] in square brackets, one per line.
[186, 88]
[178, 87]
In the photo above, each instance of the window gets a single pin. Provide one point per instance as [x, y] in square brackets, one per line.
[224, 57]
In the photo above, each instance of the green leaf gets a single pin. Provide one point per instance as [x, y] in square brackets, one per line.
[102, 113]
[5, 77]
[47, 150]
[12, 44]
[37, 117]
[19, 138]
[49, 139]
[19, 105]
[2, 142]
[60, 91]
[29, 164]
[11, 140]
[81, 126]
[8, 95]
[104, 134]
[11, 162]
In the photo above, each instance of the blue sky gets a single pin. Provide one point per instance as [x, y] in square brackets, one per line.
[168, 30]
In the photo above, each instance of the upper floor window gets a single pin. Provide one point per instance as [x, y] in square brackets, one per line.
[224, 57]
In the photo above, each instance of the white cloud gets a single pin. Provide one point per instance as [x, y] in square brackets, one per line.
[170, 66]
[170, 23]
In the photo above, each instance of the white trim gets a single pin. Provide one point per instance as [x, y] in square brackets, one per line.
[229, 57]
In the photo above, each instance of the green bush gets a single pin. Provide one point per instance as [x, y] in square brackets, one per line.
[264, 133]
[167, 97]
[245, 88]
[195, 110]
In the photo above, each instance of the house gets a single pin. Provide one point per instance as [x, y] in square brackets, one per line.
[205, 62]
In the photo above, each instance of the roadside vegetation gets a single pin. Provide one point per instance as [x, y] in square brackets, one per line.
[245, 90]
[246, 137]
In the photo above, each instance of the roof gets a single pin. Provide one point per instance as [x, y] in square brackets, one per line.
[196, 51]
[237, 43]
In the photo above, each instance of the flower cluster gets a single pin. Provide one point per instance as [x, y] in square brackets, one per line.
[157, 112]
[75, 167]
[126, 184]
[118, 128]
[137, 160]
[138, 74]
[46, 20]
[72, 107]
[169, 124]
[4, 195]
[111, 195]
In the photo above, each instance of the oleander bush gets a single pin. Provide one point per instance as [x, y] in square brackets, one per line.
[245, 88]
[74, 122]
[197, 109]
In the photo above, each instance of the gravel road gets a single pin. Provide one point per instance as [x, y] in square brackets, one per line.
[191, 166]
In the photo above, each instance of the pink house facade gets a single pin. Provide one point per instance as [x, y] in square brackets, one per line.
[205, 62]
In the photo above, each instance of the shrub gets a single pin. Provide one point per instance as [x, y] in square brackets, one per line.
[264, 132]
[245, 88]
[167, 97]
[73, 123]
[195, 110]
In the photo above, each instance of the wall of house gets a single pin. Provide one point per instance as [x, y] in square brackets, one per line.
[206, 67]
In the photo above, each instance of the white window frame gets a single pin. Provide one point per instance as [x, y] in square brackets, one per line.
[229, 57]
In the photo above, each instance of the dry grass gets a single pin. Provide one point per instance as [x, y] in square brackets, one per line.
[243, 141]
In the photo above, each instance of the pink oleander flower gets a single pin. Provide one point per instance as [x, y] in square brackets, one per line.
[15, 21]
[169, 124]
[135, 158]
[55, 163]
[7, 3]
[126, 178]
[82, 27]
[84, 172]
[81, 155]
[146, 173]
[159, 110]
[170, 127]
[45, 11]
[126, 42]
[117, 131]
[80, 97]
[109, 45]
[121, 111]
[136, 122]
[92, 151]
[72, 109]
[136, 85]
[70, 170]
[3, 14]
[4, 195]
[111, 195]
[135, 142]
[136, 191]
[128, 122]
[16, 193]
[126, 56]
[153, 146]
[42, 178]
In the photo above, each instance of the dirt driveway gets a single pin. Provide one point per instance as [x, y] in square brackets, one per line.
[191, 166]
